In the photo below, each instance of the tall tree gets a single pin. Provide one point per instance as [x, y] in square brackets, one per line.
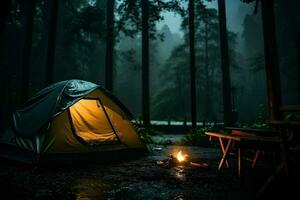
[298, 65]
[129, 23]
[4, 12]
[145, 63]
[51, 42]
[207, 82]
[83, 39]
[271, 59]
[109, 44]
[29, 10]
[192, 63]
[227, 107]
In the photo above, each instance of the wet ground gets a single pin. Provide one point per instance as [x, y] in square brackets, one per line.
[138, 178]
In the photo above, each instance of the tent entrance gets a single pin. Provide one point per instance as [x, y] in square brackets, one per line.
[91, 123]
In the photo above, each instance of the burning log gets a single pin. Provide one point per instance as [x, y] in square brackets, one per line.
[179, 160]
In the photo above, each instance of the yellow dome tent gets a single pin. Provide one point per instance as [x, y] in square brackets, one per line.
[70, 120]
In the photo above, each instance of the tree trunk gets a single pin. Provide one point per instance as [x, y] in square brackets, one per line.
[271, 59]
[109, 45]
[227, 107]
[51, 42]
[4, 12]
[29, 10]
[298, 66]
[207, 85]
[192, 64]
[145, 63]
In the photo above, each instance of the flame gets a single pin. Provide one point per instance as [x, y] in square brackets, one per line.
[180, 157]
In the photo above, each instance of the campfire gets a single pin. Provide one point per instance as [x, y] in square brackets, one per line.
[179, 159]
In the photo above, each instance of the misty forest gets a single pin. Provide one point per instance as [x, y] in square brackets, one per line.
[149, 99]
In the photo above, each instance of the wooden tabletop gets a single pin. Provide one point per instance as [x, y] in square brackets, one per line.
[243, 138]
[290, 108]
[284, 122]
[223, 135]
[254, 130]
[249, 129]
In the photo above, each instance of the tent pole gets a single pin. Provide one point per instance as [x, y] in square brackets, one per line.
[109, 120]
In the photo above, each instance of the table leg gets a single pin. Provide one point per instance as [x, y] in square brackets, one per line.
[240, 166]
[255, 158]
[285, 150]
[239, 160]
[225, 154]
[223, 151]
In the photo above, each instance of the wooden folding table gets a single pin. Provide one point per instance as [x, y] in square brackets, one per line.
[242, 142]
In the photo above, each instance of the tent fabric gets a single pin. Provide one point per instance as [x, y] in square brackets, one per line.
[91, 123]
[51, 101]
[71, 117]
[48, 103]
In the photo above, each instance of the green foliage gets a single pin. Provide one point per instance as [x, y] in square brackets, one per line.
[261, 118]
[129, 14]
[197, 137]
[261, 122]
[255, 126]
[145, 137]
[146, 134]
[292, 116]
[84, 33]
[80, 31]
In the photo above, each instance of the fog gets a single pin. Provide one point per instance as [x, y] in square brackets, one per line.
[80, 54]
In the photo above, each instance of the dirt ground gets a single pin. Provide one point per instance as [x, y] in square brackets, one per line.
[139, 178]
